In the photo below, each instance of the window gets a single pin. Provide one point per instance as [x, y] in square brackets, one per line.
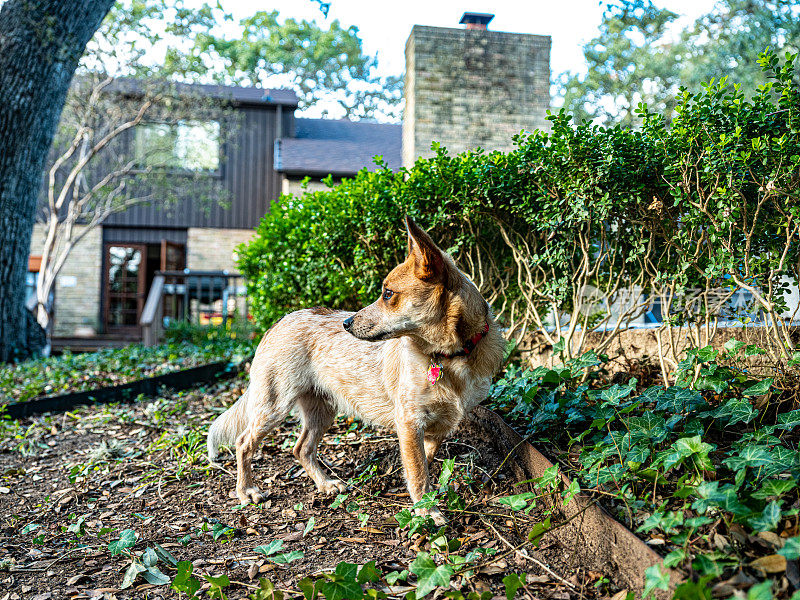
[181, 146]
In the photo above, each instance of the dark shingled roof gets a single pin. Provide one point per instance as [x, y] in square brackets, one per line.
[250, 96]
[341, 148]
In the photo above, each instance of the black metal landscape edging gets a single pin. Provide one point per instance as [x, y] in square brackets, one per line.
[127, 392]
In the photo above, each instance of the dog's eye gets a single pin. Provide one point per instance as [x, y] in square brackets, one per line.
[387, 294]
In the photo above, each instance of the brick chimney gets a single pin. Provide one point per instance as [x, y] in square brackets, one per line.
[471, 87]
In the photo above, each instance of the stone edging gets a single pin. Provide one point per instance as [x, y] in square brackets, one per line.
[126, 392]
[599, 541]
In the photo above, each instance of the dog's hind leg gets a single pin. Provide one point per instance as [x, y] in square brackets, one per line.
[432, 443]
[317, 416]
[246, 445]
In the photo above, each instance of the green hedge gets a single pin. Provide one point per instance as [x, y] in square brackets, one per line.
[708, 202]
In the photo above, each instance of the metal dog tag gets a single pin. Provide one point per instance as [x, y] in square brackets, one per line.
[434, 372]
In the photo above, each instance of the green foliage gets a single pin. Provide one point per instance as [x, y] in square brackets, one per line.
[623, 62]
[639, 57]
[680, 463]
[429, 575]
[671, 211]
[322, 62]
[184, 582]
[76, 372]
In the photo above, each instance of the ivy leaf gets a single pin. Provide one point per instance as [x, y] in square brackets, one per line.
[749, 456]
[286, 557]
[675, 558]
[537, 531]
[342, 584]
[732, 346]
[369, 573]
[707, 354]
[736, 410]
[791, 549]
[448, 466]
[154, 576]
[217, 585]
[132, 573]
[774, 487]
[309, 588]
[221, 529]
[126, 540]
[517, 501]
[404, 517]
[266, 591]
[753, 350]
[760, 388]
[395, 576]
[165, 555]
[679, 400]
[429, 576]
[184, 582]
[269, 549]
[788, 420]
[513, 582]
[690, 447]
[654, 579]
[761, 591]
[309, 526]
[611, 396]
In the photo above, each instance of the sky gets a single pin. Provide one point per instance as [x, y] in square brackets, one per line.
[385, 26]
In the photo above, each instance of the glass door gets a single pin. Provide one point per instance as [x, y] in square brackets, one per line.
[125, 285]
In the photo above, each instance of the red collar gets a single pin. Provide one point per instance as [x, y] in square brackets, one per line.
[469, 345]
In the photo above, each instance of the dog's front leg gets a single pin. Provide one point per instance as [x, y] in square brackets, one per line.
[412, 452]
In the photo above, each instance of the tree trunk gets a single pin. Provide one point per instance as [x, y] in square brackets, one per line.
[41, 42]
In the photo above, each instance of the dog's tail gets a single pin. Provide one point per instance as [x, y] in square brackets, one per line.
[227, 427]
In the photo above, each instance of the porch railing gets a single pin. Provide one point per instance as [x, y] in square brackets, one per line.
[201, 297]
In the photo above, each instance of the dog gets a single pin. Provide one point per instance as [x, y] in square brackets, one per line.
[417, 360]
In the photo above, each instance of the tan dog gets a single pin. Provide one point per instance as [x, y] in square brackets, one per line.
[417, 360]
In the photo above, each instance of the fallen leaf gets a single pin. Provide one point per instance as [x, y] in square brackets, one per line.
[772, 538]
[76, 578]
[620, 595]
[774, 563]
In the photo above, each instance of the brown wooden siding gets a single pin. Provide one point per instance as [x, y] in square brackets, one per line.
[143, 235]
[247, 177]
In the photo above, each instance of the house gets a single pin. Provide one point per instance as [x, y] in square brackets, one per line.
[464, 87]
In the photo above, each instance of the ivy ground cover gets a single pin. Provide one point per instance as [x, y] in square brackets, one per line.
[78, 372]
[706, 471]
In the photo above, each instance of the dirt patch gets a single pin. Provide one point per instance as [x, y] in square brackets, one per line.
[72, 482]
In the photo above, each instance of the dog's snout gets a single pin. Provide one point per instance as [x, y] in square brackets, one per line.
[348, 323]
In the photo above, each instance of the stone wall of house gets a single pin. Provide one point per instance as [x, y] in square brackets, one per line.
[466, 88]
[295, 186]
[209, 249]
[77, 293]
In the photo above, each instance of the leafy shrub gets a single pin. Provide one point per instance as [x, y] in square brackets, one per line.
[191, 333]
[578, 208]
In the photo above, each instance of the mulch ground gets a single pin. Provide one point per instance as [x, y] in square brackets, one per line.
[70, 483]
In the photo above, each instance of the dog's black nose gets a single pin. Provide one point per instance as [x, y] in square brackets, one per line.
[348, 323]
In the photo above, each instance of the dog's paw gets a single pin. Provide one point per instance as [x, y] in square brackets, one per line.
[249, 495]
[435, 514]
[331, 487]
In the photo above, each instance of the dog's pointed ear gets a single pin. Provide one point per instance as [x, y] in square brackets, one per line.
[429, 263]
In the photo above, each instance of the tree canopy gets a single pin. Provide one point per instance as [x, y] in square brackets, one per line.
[324, 63]
[638, 56]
